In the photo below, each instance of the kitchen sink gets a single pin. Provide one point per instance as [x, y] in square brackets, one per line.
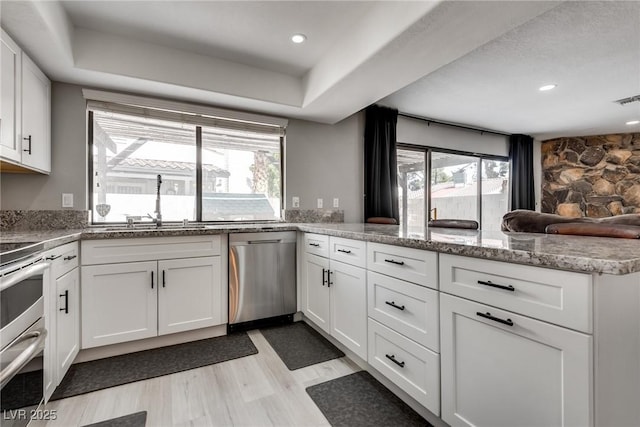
[152, 227]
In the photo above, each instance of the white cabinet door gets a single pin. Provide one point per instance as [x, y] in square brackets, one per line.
[348, 285]
[317, 295]
[67, 322]
[36, 117]
[190, 294]
[523, 372]
[119, 303]
[10, 107]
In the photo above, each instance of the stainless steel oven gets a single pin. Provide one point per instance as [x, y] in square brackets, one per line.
[22, 334]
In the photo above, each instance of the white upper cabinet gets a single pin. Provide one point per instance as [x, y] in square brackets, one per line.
[10, 147]
[25, 112]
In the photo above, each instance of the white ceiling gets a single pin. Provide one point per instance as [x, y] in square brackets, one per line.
[476, 63]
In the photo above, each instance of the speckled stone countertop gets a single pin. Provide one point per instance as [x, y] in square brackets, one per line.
[575, 253]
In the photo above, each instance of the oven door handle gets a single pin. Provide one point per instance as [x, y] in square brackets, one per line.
[22, 274]
[25, 357]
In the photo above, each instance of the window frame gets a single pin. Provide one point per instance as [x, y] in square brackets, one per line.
[428, 151]
[198, 195]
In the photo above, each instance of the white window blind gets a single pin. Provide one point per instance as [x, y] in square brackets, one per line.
[200, 115]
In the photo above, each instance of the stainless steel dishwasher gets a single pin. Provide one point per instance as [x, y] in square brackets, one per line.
[262, 278]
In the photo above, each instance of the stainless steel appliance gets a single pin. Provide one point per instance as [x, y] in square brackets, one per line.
[23, 273]
[262, 277]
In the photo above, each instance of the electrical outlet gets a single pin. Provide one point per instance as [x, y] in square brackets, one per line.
[295, 202]
[319, 203]
[67, 200]
[336, 203]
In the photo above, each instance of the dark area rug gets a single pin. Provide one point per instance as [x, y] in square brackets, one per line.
[138, 419]
[360, 400]
[113, 371]
[299, 345]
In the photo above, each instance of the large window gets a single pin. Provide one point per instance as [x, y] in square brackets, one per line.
[460, 186]
[206, 169]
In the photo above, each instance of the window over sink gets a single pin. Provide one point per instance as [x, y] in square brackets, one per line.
[211, 168]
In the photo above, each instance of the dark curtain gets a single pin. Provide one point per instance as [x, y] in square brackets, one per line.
[521, 155]
[380, 163]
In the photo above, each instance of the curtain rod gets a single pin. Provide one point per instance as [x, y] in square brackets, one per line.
[429, 121]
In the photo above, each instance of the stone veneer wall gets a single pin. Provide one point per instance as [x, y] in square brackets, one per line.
[593, 176]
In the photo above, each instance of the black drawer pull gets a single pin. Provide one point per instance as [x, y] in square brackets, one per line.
[393, 359]
[152, 280]
[66, 302]
[316, 245]
[488, 315]
[393, 304]
[393, 261]
[164, 282]
[52, 257]
[70, 257]
[344, 251]
[494, 285]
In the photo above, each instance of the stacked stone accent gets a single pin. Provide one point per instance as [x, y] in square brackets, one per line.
[592, 176]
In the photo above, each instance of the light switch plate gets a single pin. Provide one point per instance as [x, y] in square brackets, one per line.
[295, 202]
[336, 203]
[67, 200]
[319, 203]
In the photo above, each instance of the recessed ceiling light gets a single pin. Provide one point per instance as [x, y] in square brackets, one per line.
[298, 38]
[547, 87]
[633, 122]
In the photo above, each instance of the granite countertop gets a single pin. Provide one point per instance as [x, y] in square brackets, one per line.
[575, 253]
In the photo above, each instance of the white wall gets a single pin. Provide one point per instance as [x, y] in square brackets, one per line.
[326, 161]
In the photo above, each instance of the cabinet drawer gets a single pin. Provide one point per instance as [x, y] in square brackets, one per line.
[348, 251]
[316, 244]
[413, 265]
[63, 259]
[410, 366]
[409, 309]
[149, 248]
[560, 297]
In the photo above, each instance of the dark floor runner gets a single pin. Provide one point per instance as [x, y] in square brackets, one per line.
[360, 400]
[138, 419]
[112, 371]
[299, 345]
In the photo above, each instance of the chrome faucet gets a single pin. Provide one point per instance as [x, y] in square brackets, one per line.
[158, 218]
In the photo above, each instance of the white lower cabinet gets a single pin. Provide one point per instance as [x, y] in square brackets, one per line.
[131, 301]
[503, 369]
[334, 296]
[119, 303]
[412, 367]
[67, 321]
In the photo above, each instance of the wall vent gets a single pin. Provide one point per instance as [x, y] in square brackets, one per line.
[628, 100]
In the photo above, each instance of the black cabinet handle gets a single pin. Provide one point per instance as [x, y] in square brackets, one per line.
[488, 315]
[344, 251]
[70, 257]
[323, 279]
[66, 302]
[52, 257]
[152, 280]
[495, 285]
[28, 150]
[329, 282]
[317, 245]
[393, 359]
[393, 261]
[164, 282]
[393, 304]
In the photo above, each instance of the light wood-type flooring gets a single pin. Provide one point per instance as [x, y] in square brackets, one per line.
[256, 390]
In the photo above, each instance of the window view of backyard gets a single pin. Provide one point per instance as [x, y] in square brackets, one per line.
[240, 171]
[455, 192]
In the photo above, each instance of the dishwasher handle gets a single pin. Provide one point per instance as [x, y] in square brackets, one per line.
[257, 242]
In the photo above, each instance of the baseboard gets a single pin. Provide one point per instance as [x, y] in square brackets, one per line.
[149, 343]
